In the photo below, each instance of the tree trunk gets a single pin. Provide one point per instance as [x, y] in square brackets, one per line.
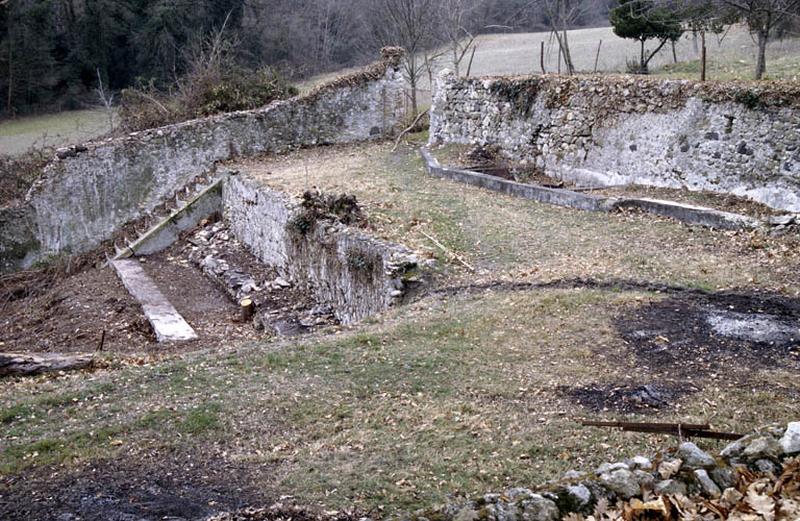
[642, 64]
[541, 58]
[564, 41]
[761, 58]
[10, 74]
[567, 54]
[22, 364]
[703, 57]
[412, 81]
[646, 61]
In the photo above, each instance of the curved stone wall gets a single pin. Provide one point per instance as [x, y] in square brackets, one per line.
[737, 138]
[88, 192]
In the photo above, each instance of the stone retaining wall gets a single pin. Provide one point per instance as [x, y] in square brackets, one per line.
[738, 138]
[357, 275]
[89, 192]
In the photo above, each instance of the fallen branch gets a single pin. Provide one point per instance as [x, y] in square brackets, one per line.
[448, 251]
[23, 364]
[409, 129]
[682, 430]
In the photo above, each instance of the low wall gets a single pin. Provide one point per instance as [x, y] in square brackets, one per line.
[88, 192]
[738, 138]
[357, 275]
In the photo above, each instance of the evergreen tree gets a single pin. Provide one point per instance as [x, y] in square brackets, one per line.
[643, 20]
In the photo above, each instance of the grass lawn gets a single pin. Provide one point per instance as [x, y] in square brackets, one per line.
[51, 130]
[462, 392]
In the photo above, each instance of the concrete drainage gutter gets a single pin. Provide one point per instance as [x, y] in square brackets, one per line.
[694, 215]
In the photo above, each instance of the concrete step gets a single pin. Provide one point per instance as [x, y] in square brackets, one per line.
[167, 323]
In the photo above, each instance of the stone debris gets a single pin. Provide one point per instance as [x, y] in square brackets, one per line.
[281, 307]
[688, 484]
[790, 442]
[693, 457]
[709, 487]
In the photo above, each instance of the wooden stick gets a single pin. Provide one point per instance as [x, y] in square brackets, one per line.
[102, 341]
[472, 57]
[447, 251]
[682, 430]
[597, 56]
[703, 56]
[541, 58]
[406, 131]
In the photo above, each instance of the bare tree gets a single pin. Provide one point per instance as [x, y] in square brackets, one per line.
[409, 24]
[107, 99]
[561, 16]
[763, 17]
[456, 19]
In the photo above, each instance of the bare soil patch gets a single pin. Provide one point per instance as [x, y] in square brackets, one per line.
[71, 312]
[153, 487]
[702, 334]
[643, 399]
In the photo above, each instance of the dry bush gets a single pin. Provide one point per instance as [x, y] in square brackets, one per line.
[17, 173]
[214, 84]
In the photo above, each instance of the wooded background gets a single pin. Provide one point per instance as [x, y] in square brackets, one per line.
[51, 50]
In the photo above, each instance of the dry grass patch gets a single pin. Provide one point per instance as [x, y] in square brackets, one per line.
[508, 237]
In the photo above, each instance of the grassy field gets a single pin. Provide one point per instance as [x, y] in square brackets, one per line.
[460, 393]
[51, 130]
[730, 56]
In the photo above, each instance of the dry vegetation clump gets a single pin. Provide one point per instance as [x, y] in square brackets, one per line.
[215, 83]
[203, 93]
[17, 174]
[319, 206]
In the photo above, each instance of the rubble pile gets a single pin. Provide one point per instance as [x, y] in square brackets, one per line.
[281, 307]
[754, 478]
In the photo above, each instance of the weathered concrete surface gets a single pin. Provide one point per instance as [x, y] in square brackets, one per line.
[737, 138]
[168, 324]
[554, 196]
[696, 215]
[688, 214]
[18, 243]
[164, 234]
[90, 191]
[357, 275]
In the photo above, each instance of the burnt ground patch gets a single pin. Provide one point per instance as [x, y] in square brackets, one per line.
[154, 487]
[648, 398]
[699, 334]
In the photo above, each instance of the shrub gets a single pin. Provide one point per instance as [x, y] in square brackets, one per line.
[17, 173]
[214, 84]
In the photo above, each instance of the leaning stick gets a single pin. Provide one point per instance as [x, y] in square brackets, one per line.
[447, 251]
[406, 131]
